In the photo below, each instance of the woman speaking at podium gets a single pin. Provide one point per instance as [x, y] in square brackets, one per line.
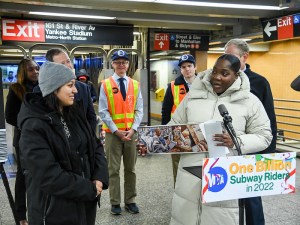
[224, 84]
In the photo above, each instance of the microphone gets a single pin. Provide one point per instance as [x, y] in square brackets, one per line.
[226, 117]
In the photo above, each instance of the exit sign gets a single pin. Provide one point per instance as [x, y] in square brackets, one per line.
[161, 41]
[281, 28]
[181, 41]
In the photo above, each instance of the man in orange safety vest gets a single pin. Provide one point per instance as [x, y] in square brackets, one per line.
[121, 110]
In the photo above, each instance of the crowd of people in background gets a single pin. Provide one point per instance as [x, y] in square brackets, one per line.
[62, 166]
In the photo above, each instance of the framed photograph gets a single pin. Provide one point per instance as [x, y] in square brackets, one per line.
[165, 139]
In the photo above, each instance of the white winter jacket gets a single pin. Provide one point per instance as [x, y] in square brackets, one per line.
[252, 127]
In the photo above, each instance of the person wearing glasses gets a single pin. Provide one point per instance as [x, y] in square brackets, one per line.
[121, 110]
[28, 73]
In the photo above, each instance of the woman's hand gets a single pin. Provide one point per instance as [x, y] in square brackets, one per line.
[99, 186]
[224, 140]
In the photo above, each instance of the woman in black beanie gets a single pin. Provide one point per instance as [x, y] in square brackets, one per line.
[64, 163]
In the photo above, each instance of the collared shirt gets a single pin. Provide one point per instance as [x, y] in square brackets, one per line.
[103, 107]
[188, 84]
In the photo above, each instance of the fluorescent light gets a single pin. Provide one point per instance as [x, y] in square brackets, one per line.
[141, 0]
[246, 39]
[214, 4]
[136, 33]
[215, 43]
[73, 15]
[11, 54]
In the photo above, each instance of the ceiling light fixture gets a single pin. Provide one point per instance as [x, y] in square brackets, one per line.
[73, 15]
[213, 4]
[154, 59]
[246, 39]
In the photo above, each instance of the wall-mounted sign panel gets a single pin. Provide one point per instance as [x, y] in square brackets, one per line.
[58, 32]
[161, 41]
[188, 42]
[281, 28]
[178, 41]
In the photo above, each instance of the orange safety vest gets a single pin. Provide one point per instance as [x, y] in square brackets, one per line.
[122, 112]
[178, 92]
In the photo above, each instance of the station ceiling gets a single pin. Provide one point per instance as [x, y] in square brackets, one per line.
[219, 22]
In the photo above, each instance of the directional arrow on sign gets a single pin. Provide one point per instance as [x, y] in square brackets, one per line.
[161, 44]
[269, 28]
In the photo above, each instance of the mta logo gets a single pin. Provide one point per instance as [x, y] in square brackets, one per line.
[121, 53]
[217, 179]
[184, 57]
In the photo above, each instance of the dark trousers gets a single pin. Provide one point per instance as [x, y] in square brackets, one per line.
[254, 211]
[20, 190]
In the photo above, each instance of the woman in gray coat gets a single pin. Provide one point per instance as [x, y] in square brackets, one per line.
[224, 84]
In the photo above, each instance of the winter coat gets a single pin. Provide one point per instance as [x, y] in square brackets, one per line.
[252, 127]
[84, 95]
[260, 87]
[82, 72]
[58, 186]
[13, 105]
[93, 91]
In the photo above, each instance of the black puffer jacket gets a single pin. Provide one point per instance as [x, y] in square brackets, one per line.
[56, 188]
[83, 95]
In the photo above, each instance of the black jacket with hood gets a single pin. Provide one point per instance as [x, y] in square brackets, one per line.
[57, 190]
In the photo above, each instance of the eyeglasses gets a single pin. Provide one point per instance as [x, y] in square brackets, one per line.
[121, 62]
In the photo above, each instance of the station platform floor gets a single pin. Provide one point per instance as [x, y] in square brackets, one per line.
[155, 190]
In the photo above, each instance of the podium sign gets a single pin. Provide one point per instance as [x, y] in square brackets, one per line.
[247, 176]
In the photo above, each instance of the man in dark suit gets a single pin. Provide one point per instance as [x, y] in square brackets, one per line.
[58, 55]
[260, 87]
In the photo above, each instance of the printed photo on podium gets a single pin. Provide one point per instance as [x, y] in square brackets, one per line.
[165, 139]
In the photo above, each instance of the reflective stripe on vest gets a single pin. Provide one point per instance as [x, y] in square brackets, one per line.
[122, 112]
[178, 95]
